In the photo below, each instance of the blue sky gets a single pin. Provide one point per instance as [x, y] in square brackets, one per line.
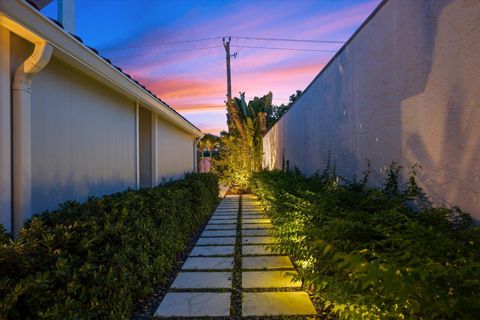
[144, 38]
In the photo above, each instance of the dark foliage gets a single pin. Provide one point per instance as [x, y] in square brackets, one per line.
[366, 254]
[94, 260]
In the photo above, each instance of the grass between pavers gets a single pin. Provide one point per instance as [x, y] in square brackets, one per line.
[236, 298]
[219, 290]
[237, 290]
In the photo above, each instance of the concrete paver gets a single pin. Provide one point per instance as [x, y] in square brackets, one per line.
[216, 241]
[212, 251]
[277, 303]
[194, 304]
[230, 226]
[256, 226]
[223, 217]
[269, 279]
[256, 232]
[257, 250]
[208, 263]
[218, 233]
[198, 280]
[255, 220]
[258, 240]
[230, 221]
[267, 262]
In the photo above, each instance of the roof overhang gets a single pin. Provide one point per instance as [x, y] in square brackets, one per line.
[23, 19]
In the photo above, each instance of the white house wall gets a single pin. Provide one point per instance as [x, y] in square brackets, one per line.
[175, 154]
[406, 89]
[5, 131]
[83, 138]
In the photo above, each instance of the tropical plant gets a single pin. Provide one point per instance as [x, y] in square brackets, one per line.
[278, 111]
[241, 148]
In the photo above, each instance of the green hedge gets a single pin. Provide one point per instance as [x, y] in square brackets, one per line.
[96, 259]
[366, 255]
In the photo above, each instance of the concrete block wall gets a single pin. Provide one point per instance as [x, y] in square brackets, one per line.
[405, 88]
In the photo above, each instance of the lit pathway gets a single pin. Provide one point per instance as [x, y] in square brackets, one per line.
[232, 272]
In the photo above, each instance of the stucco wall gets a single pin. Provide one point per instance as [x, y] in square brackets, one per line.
[83, 138]
[405, 89]
[175, 155]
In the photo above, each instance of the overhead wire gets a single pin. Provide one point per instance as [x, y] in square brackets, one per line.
[155, 44]
[164, 52]
[289, 40]
[290, 49]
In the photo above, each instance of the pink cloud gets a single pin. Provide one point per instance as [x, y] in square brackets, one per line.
[193, 81]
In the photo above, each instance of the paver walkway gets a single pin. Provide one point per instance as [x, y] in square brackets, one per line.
[236, 244]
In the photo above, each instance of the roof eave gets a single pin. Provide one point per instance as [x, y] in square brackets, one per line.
[68, 48]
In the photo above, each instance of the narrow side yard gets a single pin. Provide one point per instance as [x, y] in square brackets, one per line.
[234, 271]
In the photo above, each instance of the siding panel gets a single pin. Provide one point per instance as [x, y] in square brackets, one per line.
[83, 138]
[174, 151]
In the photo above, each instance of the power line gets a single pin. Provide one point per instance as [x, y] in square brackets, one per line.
[155, 44]
[214, 47]
[289, 40]
[163, 52]
[288, 49]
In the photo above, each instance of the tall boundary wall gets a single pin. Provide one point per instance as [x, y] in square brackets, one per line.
[405, 88]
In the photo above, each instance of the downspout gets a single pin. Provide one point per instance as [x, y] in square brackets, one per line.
[21, 125]
[195, 160]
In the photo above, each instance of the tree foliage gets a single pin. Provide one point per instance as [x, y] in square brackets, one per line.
[241, 148]
[209, 142]
[277, 112]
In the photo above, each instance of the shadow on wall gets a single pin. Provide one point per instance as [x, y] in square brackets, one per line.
[50, 195]
[406, 89]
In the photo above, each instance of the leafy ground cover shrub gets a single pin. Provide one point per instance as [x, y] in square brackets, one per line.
[94, 260]
[367, 255]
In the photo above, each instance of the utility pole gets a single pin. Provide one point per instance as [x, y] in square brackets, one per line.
[226, 45]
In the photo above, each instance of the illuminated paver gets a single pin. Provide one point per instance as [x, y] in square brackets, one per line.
[256, 232]
[269, 279]
[267, 262]
[255, 220]
[258, 240]
[253, 215]
[277, 303]
[257, 250]
[256, 226]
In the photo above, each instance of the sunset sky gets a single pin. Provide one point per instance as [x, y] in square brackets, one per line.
[175, 47]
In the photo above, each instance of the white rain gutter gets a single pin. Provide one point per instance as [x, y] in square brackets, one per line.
[21, 125]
